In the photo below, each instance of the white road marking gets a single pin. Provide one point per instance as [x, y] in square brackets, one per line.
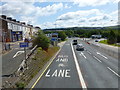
[83, 84]
[61, 65]
[59, 73]
[113, 71]
[80, 54]
[97, 59]
[89, 52]
[18, 53]
[102, 55]
[83, 55]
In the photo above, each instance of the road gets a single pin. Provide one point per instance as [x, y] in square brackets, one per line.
[11, 60]
[80, 69]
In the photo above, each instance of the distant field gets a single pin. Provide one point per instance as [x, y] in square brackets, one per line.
[105, 42]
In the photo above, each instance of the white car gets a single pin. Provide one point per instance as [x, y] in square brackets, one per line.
[80, 47]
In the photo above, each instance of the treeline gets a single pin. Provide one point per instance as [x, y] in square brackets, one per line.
[113, 36]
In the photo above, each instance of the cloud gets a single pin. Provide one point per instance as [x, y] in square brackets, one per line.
[83, 3]
[79, 14]
[27, 11]
[93, 17]
[49, 10]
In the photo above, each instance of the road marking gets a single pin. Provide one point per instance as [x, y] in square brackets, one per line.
[113, 71]
[102, 55]
[45, 70]
[61, 65]
[83, 55]
[89, 52]
[59, 73]
[18, 53]
[78, 70]
[97, 59]
[80, 54]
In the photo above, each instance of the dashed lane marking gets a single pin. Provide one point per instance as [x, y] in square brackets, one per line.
[89, 52]
[83, 55]
[97, 59]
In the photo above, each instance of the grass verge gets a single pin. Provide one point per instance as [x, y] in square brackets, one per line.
[36, 63]
[105, 42]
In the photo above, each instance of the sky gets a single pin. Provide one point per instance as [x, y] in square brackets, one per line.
[61, 13]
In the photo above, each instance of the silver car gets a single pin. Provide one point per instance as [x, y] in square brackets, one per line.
[80, 47]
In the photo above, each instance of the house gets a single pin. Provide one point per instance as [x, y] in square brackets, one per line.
[12, 30]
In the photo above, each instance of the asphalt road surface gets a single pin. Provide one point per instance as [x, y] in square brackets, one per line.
[12, 60]
[80, 69]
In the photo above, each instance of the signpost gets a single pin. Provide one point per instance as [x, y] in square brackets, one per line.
[54, 38]
[24, 45]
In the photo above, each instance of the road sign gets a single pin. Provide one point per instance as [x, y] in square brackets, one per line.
[24, 44]
[54, 34]
[54, 39]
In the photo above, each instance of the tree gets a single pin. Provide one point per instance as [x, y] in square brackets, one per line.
[112, 37]
[62, 35]
[41, 40]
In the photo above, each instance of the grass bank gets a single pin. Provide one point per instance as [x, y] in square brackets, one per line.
[105, 42]
[36, 63]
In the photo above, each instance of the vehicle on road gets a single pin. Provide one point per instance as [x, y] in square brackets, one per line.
[74, 42]
[96, 40]
[80, 47]
[88, 42]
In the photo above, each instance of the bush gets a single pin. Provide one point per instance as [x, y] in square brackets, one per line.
[41, 40]
[20, 85]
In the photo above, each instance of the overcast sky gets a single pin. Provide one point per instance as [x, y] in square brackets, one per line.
[51, 14]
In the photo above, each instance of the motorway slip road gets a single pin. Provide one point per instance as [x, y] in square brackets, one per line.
[79, 69]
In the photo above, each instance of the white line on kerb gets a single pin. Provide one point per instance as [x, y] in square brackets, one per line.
[97, 59]
[83, 55]
[113, 71]
[78, 70]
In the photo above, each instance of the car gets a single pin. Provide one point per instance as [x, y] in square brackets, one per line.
[96, 40]
[74, 42]
[88, 42]
[80, 47]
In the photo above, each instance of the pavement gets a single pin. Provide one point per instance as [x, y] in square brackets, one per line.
[90, 68]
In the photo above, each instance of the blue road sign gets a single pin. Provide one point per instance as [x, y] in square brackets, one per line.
[54, 39]
[24, 44]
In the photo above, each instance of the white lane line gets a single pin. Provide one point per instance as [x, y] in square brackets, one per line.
[80, 54]
[97, 59]
[113, 71]
[89, 52]
[18, 53]
[102, 55]
[83, 55]
[78, 70]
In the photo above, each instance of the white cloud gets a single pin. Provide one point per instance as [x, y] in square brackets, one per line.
[79, 14]
[83, 3]
[27, 11]
[48, 10]
[93, 17]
